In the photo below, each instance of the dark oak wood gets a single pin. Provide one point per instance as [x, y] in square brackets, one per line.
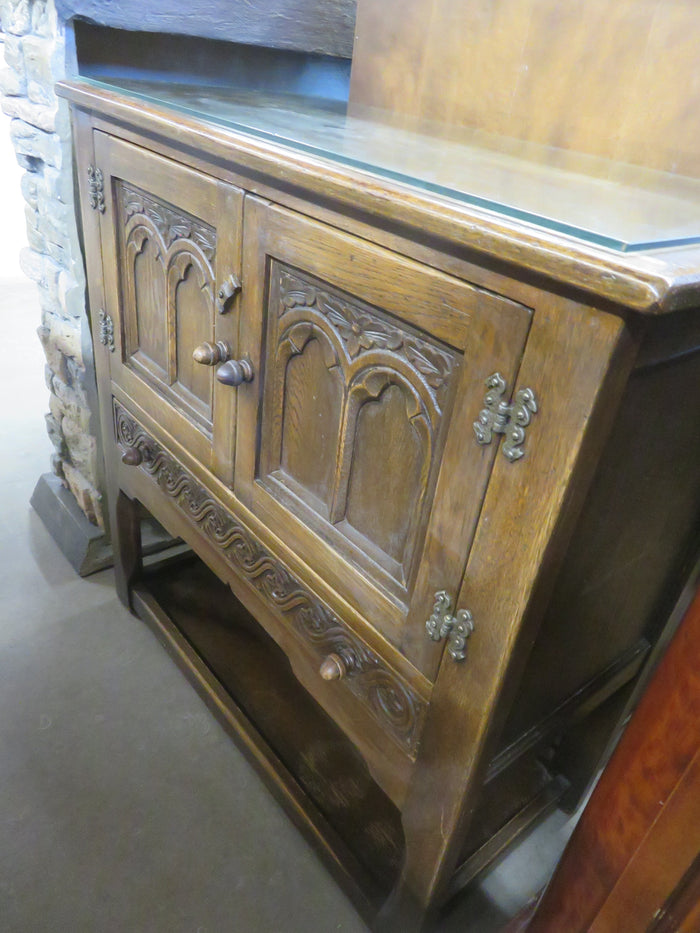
[281, 782]
[333, 480]
[126, 541]
[172, 239]
[322, 26]
[631, 542]
[559, 469]
[391, 471]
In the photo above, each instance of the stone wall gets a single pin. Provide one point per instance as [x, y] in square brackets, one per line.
[35, 59]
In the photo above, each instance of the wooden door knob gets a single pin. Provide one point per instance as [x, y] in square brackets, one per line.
[209, 354]
[235, 372]
[333, 668]
[132, 456]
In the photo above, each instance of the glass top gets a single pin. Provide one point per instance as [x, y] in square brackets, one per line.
[622, 207]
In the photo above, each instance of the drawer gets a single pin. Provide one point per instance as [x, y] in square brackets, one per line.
[171, 243]
[380, 707]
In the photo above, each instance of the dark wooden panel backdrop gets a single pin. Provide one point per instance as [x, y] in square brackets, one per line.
[323, 26]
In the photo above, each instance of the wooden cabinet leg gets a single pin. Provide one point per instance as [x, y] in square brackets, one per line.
[126, 541]
[402, 913]
[408, 910]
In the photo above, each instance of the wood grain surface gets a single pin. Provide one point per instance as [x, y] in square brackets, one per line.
[324, 26]
[525, 525]
[405, 340]
[654, 283]
[515, 67]
[640, 831]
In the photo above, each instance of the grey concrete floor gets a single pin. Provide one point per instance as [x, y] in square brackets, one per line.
[124, 807]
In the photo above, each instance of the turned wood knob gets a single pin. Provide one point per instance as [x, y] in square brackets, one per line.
[209, 354]
[333, 668]
[132, 456]
[235, 372]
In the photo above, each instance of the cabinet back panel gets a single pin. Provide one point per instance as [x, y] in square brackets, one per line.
[515, 67]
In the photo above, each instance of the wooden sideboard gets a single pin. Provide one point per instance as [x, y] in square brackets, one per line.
[437, 465]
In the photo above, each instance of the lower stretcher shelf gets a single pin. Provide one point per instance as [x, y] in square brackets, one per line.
[307, 761]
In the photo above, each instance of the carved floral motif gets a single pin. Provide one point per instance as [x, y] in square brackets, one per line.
[396, 707]
[362, 329]
[171, 223]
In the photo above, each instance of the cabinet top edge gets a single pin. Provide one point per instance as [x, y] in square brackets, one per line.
[654, 281]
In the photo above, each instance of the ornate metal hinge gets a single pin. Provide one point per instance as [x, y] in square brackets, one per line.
[106, 331]
[96, 188]
[455, 628]
[498, 417]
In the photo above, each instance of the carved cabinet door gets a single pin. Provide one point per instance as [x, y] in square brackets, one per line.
[355, 440]
[171, 260]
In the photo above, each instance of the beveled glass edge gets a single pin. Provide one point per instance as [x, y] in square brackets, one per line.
[500, 209]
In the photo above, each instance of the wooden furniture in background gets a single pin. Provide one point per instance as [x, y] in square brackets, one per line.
[633, 862]
[444, 460]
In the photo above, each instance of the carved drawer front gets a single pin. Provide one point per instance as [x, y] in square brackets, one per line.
[355, 440]
[368, 697]
[171, 249]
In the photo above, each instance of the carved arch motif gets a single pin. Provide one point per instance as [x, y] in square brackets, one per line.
[362, 329]
[368, 385]
[138, 234]
[182, 243]
[372, 351]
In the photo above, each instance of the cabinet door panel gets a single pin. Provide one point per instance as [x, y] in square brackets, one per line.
[308, 409]
[169, 236]
[355, 443]
[388, 473]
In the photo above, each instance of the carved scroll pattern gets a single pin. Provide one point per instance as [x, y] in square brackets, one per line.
[396, 707]
[362, 329]
[172, 224]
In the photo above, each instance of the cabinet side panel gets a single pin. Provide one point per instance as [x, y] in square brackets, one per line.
[624, 566]
[577, 361]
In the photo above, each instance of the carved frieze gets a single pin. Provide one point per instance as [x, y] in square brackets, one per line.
[172, 223]
[397, 708]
